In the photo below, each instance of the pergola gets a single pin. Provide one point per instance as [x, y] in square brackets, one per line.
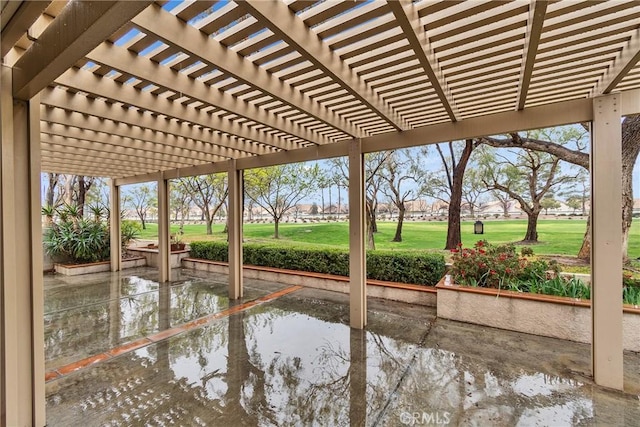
[143, 91]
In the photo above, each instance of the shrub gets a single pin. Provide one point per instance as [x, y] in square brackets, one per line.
[129, 231]
[403, 267]
[81, 241]
[491, 266]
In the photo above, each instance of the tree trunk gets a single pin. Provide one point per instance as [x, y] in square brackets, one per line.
[398, 236]
[144, 223]
[630, 150]
[532, 227]
[374, 216]
[68, 189]
[82, 195]
[454, 236]
[208, 221]
[585, 250]
[339, 202]
[277, 232]
[505, 209]
[53, 181]
[370, 219]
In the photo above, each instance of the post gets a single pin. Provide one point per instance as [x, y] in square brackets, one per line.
[164, 241]
[357, 233]
[22, 395]
[114, 226]
[236, 197]
[606, 242]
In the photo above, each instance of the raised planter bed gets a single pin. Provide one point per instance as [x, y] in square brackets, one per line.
[153, 258]
[544, 315]
[414, 294]
[97, 267]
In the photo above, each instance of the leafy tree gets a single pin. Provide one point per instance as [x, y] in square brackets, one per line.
[574, 203]
[526, 176]
[278, 188]
[314, 209]
[208, 192]
[143, 198]
[569, 144]
[549, 202]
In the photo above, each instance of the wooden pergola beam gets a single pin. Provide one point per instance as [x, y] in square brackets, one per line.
[277, 16]
[18, 24]
[130, 63]
[144, 125]
[407, 16]
[109, 89]
[537, 12]
[81, 26]
[188, 39]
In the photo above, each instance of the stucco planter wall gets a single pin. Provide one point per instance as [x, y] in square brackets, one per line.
[414, 294]
[153, 257]
[97, 267]
[557, 317]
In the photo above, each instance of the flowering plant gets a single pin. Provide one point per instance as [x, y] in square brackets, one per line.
[492, 266]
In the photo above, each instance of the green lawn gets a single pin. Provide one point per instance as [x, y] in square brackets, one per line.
[561, 237]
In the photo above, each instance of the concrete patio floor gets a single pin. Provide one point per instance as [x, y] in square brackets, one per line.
[123, 350]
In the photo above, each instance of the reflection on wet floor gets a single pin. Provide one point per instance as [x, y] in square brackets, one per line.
[295, 361]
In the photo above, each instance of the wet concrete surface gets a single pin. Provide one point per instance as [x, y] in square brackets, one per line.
[294, 360]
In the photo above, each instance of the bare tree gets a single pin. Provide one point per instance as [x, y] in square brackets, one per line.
[143, 198]
[448, 186]
[402, 171]
[504, 200]
[373, 183]
[208, 192]
[472, 190]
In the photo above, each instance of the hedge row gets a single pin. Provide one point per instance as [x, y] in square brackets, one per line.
[404, 267]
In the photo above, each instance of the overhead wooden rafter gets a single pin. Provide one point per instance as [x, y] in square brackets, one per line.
[185, 88]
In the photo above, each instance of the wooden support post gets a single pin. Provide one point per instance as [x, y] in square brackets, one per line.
[236, 202]
[606, 242]
[22, 395]
[357, 233]
[164, 239]
[114, 226]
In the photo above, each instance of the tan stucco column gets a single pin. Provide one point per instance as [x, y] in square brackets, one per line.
[22, 396]
[236, 201]
[606, 242]
[357, 233]
[114, 226]
[164, 240]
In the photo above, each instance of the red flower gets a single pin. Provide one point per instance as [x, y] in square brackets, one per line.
[455, 251]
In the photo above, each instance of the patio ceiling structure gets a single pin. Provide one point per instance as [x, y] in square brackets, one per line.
[150, 91]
